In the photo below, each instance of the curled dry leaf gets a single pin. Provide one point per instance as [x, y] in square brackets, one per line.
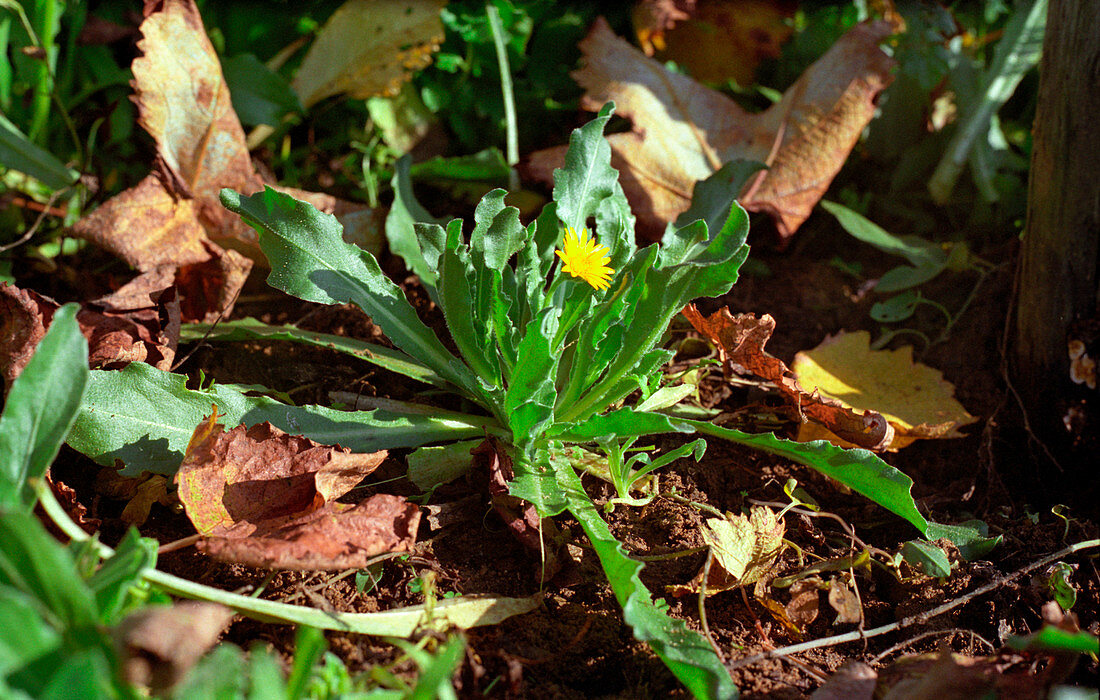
[369, 48]
[740, 340]
[914, 398]
[262, 497]
[116, 336]
[684, 131]
[158, 645]
[744, 548]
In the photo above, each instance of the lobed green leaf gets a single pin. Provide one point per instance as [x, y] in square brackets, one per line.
[145, 417]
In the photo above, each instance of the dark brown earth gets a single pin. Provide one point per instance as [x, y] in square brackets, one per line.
[576, 645]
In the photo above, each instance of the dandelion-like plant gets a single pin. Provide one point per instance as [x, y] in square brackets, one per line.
[583, 257]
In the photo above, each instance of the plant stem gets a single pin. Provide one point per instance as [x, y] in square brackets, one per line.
[512, 155]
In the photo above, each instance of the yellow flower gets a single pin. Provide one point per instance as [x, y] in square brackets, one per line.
[583, 257]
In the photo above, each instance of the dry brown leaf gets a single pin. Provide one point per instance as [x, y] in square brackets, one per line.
[914, 398]
[719, 40]
[684, 131]
[159, 644]
[803, 607]
[184, 104]
[844, 600]
[24, 318]
[116, 337]
[331, 538]
[258, 473]
[140, 492]
[740, 341]
[173, 220]
[369, 48]
[262, 497]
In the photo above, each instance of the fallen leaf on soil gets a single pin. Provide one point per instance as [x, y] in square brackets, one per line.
[744, 549]
[740, 340]
[158, 645]
[845, 602]
[140, 492]
[116, 336]
[854, 680]
[173, 221]
[913, 397]
[369, 48]
[684, 131]
[715, 40]
[262, 497]
[538, 535]
[803, 607]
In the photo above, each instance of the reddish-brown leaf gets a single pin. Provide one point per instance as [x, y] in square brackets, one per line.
[740, 340]
[262, 497]
[116, 336]
[330, 538]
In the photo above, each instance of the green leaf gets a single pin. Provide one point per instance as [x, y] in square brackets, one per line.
[860, 470]
[145, 417]
[218, 675]
[401, 222]
[621, 423]
[259, 94]
[17, 152]
[587, 181]
[919, 252]
[497, 233]
[458, 299]
[687, 654]
[33, 563]
[436, 670]
[1064, 592]
[309, 645]
[484, 166]
[431, 466]
[253, 329]
[712, 202]
[41, 407]
[927, 558]
[896, 308]
[971, 537]
[1052, 638]
[529, 401]
[310, 260]
[113, 581]
[24, 636]
[265, 674]
[1016, 53]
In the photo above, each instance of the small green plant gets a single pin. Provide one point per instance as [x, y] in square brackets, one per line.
[550, 352]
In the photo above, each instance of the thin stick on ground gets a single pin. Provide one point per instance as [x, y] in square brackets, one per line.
[914, 619]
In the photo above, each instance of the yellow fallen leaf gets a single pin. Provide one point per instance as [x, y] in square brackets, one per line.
[914, 398]
[369, 48]
[744, 549]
